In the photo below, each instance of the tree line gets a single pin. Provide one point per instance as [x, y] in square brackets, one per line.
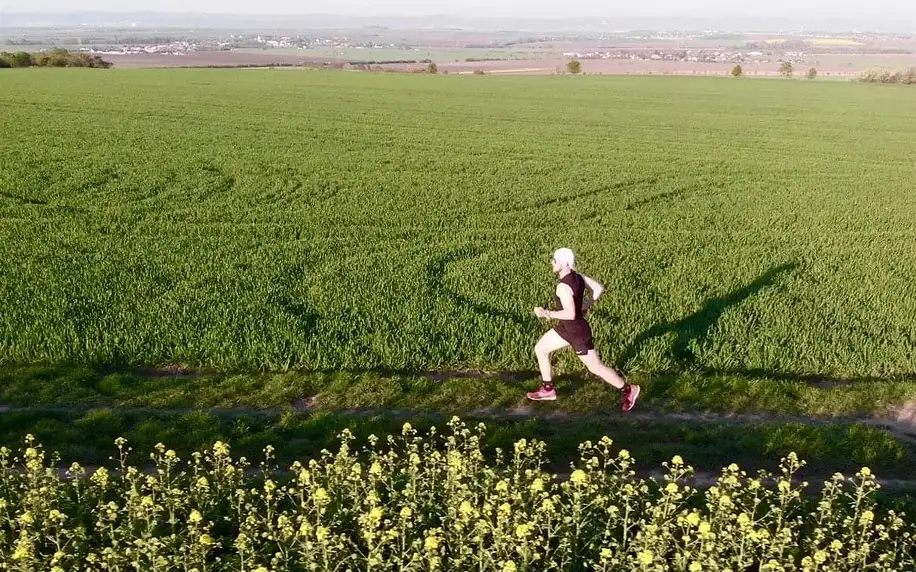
[56, 58]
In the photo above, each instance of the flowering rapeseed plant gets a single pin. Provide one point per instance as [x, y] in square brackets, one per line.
[434, 503]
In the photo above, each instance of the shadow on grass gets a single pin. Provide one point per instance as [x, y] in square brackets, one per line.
[827, 448]
[696, 325]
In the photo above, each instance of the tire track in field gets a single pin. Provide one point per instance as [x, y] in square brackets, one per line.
[436, 283]
[554, 202]
[22, 200]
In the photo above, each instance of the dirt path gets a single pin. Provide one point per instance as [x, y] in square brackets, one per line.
[901, 422]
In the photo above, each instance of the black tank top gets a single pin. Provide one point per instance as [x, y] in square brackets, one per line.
[577, 284]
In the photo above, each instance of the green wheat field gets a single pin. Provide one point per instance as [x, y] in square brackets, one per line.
[325, 221]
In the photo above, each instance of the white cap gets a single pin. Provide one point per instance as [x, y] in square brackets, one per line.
[564, 256]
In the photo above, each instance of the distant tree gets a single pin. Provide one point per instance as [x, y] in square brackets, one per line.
[479, 72]
[20, 60]
[39, 59]
[57, 61]
[57, 57]
[737, 71]
[812, 73]
[908, 76]
[431, 68]
[574, 66]
[786, 69]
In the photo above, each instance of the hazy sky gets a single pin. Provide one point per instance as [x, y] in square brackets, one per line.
[867, 9]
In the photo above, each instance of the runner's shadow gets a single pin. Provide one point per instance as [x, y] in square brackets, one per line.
[435, 281]
[696, 325]
[288, 298]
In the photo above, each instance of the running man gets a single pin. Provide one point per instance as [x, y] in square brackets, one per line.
[573, 330]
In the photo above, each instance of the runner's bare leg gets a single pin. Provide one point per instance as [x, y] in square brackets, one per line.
[594, 365]
[549, 343]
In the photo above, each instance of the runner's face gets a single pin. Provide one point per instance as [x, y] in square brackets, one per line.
[555, 267]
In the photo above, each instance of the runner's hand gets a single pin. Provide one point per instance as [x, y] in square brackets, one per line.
[539, 312]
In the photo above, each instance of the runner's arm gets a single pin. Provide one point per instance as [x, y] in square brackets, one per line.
[596, 288]
[593, 285]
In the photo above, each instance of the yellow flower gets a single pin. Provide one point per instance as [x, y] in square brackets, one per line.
[743, 519]
[321, 495]
[195, 517]
[624, 454]
[509, 567]
[522, 530]
[784, 486]
[455, 461]
[606, 554]
[820, 556]
[704, 527]
[578, 477]
[260, 569]
[867, 516]
[406, 512]
[733, 468]
[321, 533]
[221, 449]
[836, 545]
[375, 469]
[23, 549]
[376, 513]
[646, 557]
[505, 509]
[671, 488]
[26, 518]
[100, 476]
[693, 519]
[206, 539]
[677, 460]
[696, 567]
[865, 472]
[502, 486]
[466, 509]
[537, 485]
[431, 543]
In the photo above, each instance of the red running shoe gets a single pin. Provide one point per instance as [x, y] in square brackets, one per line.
[630, 394]
[542, 394]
